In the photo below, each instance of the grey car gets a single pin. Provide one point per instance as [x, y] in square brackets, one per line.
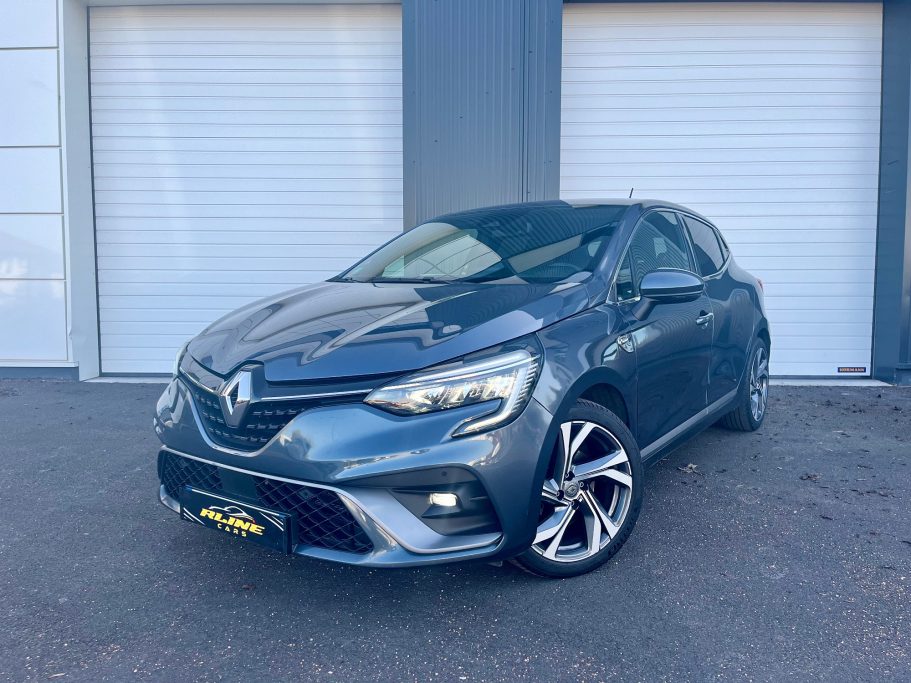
[488, 385]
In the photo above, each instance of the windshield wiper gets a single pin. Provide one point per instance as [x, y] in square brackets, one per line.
[409, 280]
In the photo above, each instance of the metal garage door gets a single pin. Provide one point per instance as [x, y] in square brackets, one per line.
[764, 118]
[238, 151]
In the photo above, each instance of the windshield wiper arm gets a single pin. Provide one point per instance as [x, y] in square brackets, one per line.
[409, 280]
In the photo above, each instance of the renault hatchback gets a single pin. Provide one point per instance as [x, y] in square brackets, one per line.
[488, 385]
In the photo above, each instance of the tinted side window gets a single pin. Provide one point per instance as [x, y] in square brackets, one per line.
[724, 245]
[625, 288]
[658, 243]
[709, 257]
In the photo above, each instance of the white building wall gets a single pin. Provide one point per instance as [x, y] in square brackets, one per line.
[765, 119]
[33, 307]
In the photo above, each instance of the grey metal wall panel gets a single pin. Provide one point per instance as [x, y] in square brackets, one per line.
[892, 303]
[479, 128]
[544, 56]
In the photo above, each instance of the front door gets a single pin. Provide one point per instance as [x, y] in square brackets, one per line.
[673, 343]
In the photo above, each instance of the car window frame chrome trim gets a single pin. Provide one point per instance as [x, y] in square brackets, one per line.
[611, 289]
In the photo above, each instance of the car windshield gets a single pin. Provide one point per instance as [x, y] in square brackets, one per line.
[518, 244]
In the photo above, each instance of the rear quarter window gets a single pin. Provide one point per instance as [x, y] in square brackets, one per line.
[706, 245]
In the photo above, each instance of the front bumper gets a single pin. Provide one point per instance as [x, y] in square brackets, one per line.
[362, 455]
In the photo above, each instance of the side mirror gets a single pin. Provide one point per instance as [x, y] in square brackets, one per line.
[667, 285]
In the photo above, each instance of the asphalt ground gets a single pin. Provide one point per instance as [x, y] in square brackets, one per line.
[774, 556]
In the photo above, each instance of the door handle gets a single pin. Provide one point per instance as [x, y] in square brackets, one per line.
[704, 318]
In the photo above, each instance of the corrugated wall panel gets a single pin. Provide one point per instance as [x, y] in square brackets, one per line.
[764, 118]
[466, 72]
[238, 151]
[479, 129]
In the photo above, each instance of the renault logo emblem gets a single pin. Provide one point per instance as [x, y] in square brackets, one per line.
[235, 396]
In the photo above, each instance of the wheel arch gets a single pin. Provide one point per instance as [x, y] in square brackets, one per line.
[763, 334]
[607, 395]
[598, 383]
[602, 382]
[606, 387]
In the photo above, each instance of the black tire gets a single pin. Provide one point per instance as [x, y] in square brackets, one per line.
[582, 413]
[742, 418]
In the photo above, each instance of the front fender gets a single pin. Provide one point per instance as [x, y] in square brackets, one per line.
[582, 352]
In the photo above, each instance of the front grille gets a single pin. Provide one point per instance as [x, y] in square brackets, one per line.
[176, 472]
[262, 421]
[321, 518]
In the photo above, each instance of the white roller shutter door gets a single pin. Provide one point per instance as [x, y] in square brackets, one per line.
[765, 118]
[238, 151]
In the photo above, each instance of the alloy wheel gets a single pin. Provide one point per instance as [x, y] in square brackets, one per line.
[586, 498]
[759, 383]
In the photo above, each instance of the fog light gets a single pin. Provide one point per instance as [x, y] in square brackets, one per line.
[446, 500]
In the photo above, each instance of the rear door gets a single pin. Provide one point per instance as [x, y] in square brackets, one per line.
[672, 349]
[731, 305]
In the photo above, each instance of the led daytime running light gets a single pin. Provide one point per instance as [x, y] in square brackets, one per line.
[505, 379]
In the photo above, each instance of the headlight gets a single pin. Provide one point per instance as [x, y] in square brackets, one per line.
[505, 381]
[183, 350]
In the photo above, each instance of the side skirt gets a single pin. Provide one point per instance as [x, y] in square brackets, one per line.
[684, 431]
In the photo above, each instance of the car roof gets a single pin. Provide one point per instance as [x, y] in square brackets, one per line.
[562, 204]
[625, 201]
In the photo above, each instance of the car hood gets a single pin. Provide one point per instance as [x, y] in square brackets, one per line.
[350, 329]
